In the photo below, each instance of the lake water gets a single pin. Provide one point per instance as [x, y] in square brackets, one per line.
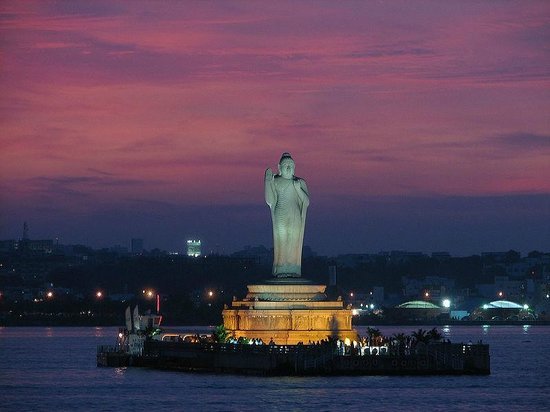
[55, 369]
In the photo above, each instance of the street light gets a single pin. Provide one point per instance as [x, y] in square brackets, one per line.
[446, 303]
[99, 294]
[49, 294]
[150, 294]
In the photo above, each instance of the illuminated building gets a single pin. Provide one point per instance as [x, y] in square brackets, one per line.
[503, 310]
[193, 248]
[137, 246]
[417, 310]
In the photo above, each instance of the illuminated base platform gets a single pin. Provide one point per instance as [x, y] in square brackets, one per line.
[288, 311]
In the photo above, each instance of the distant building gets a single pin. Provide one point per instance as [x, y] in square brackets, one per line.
[37, 246]
[8, 245]
[436, 286]
[503, 310]
[354, 260]
[259, 254]
[26, 244]
[504, 287]
[378, 294]
[518, 269]
[498, 257]
[118, 249]
[44, 246]
[332, 275]
[137, 246]
[193, 248]
[397, 257]
[441, 255]
[416, 311]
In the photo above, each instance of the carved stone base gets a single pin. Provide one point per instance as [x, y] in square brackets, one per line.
[284, 292]
[288, 313]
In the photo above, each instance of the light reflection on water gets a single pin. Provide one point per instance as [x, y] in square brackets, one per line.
[119, 372]
[54, 369]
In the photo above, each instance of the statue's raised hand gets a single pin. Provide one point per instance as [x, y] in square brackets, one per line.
[268, 174]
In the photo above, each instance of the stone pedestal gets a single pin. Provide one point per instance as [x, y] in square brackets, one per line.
[289, 311]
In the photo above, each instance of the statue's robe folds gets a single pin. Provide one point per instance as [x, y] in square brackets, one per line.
[288, 203]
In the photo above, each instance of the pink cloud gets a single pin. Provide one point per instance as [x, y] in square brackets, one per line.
[195, 101]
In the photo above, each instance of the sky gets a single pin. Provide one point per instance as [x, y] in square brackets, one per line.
[419, 126]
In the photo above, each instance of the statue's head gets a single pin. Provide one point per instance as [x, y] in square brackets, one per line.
[286, 166]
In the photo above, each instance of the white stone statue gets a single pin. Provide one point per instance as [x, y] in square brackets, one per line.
[288, 199]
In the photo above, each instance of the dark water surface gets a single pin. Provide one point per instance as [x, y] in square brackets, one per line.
[55, 369]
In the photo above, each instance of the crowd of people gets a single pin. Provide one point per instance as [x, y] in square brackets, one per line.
[242, 341]
[373, 344]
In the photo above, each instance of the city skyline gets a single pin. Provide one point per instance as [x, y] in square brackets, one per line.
[194, 248]
[418, 126]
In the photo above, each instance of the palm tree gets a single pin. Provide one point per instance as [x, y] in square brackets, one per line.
[434, 335]
[421, 336]
[220, 334]
[374, 335]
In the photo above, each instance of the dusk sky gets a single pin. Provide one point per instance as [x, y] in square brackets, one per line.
[418, 125]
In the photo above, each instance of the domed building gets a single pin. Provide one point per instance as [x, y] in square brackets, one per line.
[418, 304]
[502, 310]
[416, 310]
